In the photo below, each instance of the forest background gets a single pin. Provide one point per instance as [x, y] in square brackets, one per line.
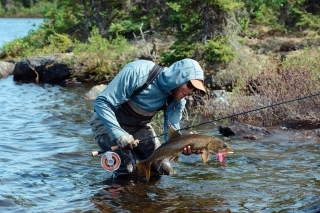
[261, 52]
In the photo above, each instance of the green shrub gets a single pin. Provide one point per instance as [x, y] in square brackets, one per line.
[178, 52]
[308, 20]
[264, 11]
[219, 50]
[64, 18]
[123, 27]
[39, 42]
[15, 48]
[20, 10]
[102, 58]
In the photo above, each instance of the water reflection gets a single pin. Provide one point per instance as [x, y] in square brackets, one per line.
[136, 196]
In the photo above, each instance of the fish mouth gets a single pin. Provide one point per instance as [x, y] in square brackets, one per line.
[225, 152]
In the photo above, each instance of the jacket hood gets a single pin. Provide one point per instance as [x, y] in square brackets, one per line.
[179, 73]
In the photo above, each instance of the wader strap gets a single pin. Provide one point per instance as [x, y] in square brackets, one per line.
[128, 109]
[156, 69]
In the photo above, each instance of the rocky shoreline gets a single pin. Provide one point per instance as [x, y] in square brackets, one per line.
[54, 70]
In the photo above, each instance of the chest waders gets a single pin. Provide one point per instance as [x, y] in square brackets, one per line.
[110, 160]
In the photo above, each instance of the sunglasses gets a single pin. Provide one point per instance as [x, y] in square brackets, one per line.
[189, 85]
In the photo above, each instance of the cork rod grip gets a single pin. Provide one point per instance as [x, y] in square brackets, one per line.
[113, 148]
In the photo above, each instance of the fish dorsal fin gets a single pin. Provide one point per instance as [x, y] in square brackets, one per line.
[172, 133]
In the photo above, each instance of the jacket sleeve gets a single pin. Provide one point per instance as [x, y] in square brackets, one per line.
[109, 100]
[172, 116]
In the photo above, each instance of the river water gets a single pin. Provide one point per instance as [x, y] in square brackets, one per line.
[46, 164]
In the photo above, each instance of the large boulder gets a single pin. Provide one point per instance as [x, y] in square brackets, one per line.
[94, 92]
[46, 69]
[6, 68]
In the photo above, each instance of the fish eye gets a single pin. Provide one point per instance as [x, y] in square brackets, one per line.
[225, 146]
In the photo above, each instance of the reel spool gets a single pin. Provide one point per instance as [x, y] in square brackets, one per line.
[110, 161]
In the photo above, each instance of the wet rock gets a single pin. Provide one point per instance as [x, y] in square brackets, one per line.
[245, 131]
[94, 92]
[314, 133]
[308, 127]
[46, 69]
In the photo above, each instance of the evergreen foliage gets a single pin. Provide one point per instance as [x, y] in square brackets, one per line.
[219, 50]
[203, 29]
[199, 27]
[25, 8]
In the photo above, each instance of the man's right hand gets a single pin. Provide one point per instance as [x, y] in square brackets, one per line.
[127, 141]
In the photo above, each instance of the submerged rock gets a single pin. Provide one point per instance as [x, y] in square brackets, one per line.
[245, 131]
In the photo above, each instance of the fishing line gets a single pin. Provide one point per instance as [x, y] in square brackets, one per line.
[241, 113]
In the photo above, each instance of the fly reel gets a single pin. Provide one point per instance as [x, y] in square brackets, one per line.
[110, 161]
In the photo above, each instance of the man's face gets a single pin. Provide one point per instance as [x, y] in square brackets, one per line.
[182, 91]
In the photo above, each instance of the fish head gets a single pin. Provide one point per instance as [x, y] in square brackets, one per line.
[217, 145]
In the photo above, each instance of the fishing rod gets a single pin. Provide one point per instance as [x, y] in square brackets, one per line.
[253, 110]
[240, 113]
[111, 161]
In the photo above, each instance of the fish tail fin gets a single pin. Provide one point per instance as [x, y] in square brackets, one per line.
[143, 166]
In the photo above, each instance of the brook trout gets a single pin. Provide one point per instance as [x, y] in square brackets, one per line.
[174, 146]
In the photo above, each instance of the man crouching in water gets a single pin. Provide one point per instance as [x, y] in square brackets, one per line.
[124, 109]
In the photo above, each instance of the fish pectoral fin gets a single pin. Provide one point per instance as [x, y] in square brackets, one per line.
[205, 156]
[174, 158]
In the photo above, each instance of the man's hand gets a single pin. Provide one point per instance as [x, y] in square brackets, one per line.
[127, 141]
[188, 151]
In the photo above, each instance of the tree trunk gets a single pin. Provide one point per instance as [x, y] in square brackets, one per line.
[6, 5]
[86, 19]
[98, 7]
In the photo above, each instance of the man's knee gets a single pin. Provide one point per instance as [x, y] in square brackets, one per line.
[149, 141]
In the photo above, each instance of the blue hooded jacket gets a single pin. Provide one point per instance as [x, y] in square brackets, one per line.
[131, 78]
